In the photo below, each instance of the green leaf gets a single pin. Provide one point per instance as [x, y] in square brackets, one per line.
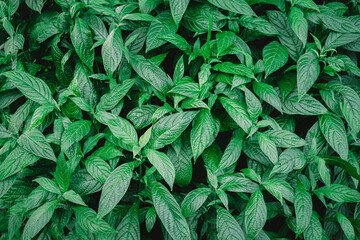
[74, 133]
[142, 116]
[82, 104]
[38, 219]
[307, 105]
[335, 39]
[81, 38]
[14, 44]
[35, 5]
[62, 174]
[303, 208]
[236, 6]
[339, 193]
[48, 185]
[32, 87]
[224, 41]
[194, 200]
[111, 51]
[308, 70]
[129, 227]
[151, 73]
[275, 57]
[289, 160]
[237, 112]
[338, 24]
[163, 165]
[258, 24]
[182, 163]
[35, 142]
[162, 25]
[255, 215]
[17, 160]
[115, 188]
[84, 84]
[150, 218]
[39, 115]
[97, 168]
[346, 226]
[285, 139]
[231, 68]
[179, 42]
[307, 4]
[299, 24]
[202, 133]
[235, 183]
[119, 127]
[169, 212]
[227, 226]
[268, 94]
[232, 151]
[178, 8]
[268, 147]
[344, 164]
[73, 197]
[169, 128]
[315, 230]
[253, 103]
[280, 189]
[334, 132]
[286, 35]
[323, 170]
[90, 221]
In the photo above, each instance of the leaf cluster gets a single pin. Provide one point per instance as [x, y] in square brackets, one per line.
[179, 119]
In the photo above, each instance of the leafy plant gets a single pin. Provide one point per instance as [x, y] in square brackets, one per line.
[218, 119]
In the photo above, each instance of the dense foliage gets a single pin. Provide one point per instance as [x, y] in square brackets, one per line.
[179, 119]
